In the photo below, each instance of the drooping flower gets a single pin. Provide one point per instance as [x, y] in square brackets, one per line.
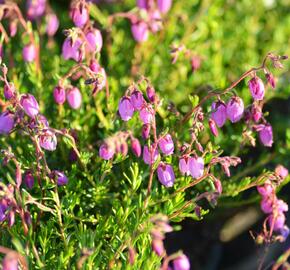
[126, 108]
[148, 156]
[183, 165]
[59, 95]
[9, 90]
[137, 100]
[6, 122]
[158, 246]
[256, 113]
[74, 98]
[52, 24]
[266, 190]
[271, 80]
[277, 221]
[71, 50]
[142, 4]
[29, 179]
[61, 178]
[140, 31]
[219, 113]
[257, 88]
[29, 105]
[48, 140]
[29, 53]
[79, 15]
[96, 67]
[146, 131]
[212, 127]
[150, 91]
[155, 20]
[136, 147]
[106, 152]
[164, 5]
[94, 40]
[266, 135]
[166, 145]
[35, 8]
[267, 205]
[146, 114]
[181, 263]
[196, 166]
[165, 174]
[235, 109]
[281, 171]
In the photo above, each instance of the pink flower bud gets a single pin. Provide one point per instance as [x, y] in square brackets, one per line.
[6, 122]
[219, 114]
[29, 105]
[158, 247]
[79, 15]
[29, 53]
[183, 166]
[266, 135]
[148, 156]
[52, 24]
[181, 263]
[10, 262]
[257, 88]
[213, 127]
[281, 171]
[126, 108]
[196, 166]
[281, 206]
[271, 80]
[142, 4]
[61, 178]
[267, 205]
[195, 63]
[146, 114]
[136, 147]
[164, 5]
[74, 98]
[146, 131]
[165, 174]
[218, 186]
[137, 100]
[166, 145]
[94, 40]
[48, 140]
[13, 28]
[59, 95]
[9, 91]
[71, 50]
[29, 179]
[35, 8]
[140, 31]
[235, 109]
[106, 152]
[277, 221]
[256, 113]
[11, 218]
[150, 91]
[266, 190]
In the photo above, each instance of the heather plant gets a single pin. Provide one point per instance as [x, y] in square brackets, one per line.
[121, 120]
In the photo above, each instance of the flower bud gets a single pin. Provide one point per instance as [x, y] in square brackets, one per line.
[6, 122]
[137, 100]
[266, 190]
[164, 5]
[195, 63]
[267, 205]
[181, 263]
[11, 218]
[166, 145]
[52, 24]
[281, 171]
[142, 4]
[150, 91]
[235, 109]
[146, 131]
[183, 166]
[219, 114]
[27, 218]
[29, 179]
[126, 108]
[271, 80]
[13, 28]
[284, 232]
[196, 166]
[10, 262]
[140, 31]
[79, 15]
[136, 147]
[94, 40]
[213, 127]
[165, 174]
[257, 88]
[71, 50]
[59, 95]
[218, 186]
[61, 178]
[29, 105]
[106, 152]
[256, 113]
[266, 135]
[277, 221]
[29, 53]
[158, 247]
[148, 156]
[48, 140]
[74, 98]
[9, 91]
[146, 114]
[35, 8]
